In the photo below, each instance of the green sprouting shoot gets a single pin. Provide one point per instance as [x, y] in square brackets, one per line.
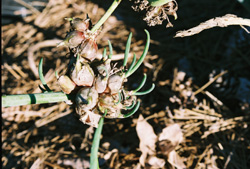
[104, 53]
[56, 74]
[128, 73]
[40, 72]
[106, 71]
[133, 63]
[78, 64]
[69, 19]
[94, 164]
[133, 111]
[127, 50]
[119, 97]
[142, 83]
[110, 50]
[131, 106]
[144, 92]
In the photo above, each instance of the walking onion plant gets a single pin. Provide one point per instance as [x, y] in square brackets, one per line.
[93, 86]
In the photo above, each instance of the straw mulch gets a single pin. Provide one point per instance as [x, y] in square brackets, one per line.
[202, 84]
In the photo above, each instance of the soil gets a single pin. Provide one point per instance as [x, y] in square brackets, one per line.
[214, 121]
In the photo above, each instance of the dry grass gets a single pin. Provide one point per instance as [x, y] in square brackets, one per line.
[215, 123]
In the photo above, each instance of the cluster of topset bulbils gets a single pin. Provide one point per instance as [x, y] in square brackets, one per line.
[98, 85]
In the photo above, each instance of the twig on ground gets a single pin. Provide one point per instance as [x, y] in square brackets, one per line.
[25, 4]
[223, 21]
[209, 83]
[32, 49]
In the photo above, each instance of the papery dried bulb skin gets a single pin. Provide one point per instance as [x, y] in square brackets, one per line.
[115, 83]
[73, 39]
[101, 84]
[80, 24]
[104, 68]
[109, 102]
[86, 98]
[106, 100]
[89, 117]
[82, 74]
[88, 49]
[103, 76]
[66, 84]
[129, 100]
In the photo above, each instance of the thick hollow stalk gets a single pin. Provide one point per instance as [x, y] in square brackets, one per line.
[106, 15]
[35, 98]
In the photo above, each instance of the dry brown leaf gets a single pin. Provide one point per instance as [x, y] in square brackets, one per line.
[147, 138]
[156, 162]
[170, 137]
[172, 133]
[175, 160]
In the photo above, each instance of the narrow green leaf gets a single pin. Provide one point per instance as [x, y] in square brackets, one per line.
[133, 111]
[132, 64]
[56, 74]
[94, 164]
[145, 92]
[142, 83]
[127, 50]
[119, 97]
[104, 53]
[130, 107]
[128, 73]
[110, 50]
[40, 72]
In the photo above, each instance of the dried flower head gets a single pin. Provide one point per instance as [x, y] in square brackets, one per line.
[157, 10]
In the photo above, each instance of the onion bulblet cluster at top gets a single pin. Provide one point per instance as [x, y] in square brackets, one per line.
[97, 86]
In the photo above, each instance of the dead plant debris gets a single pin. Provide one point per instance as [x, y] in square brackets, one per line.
[223, 21]
[192, 119]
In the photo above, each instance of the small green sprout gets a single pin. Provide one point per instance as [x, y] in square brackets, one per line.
[40, 72]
